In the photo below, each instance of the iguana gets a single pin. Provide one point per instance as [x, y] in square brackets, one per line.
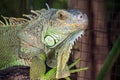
[43, 37]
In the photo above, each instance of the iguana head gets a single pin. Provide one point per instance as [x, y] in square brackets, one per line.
[64, 24]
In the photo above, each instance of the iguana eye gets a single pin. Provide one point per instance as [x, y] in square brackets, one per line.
[61, 15]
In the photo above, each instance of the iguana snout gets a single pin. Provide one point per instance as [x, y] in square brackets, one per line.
[78, 20]
[71, 20]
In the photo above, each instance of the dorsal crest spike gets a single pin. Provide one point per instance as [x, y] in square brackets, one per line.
[15, 21]
[35, 12]
[47, 6]
[6, 20]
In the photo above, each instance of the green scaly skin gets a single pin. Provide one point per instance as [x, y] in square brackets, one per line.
[45, 37]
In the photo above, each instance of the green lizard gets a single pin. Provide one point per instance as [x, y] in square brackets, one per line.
[43, 37]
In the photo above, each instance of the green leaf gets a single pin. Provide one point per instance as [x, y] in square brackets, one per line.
[74, 63]
[112, 57]
[78, 70]
[50, 74]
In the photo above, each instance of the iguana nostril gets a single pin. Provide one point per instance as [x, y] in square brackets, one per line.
[80, 16]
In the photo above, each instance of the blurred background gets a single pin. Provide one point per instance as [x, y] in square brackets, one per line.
[95, 46]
